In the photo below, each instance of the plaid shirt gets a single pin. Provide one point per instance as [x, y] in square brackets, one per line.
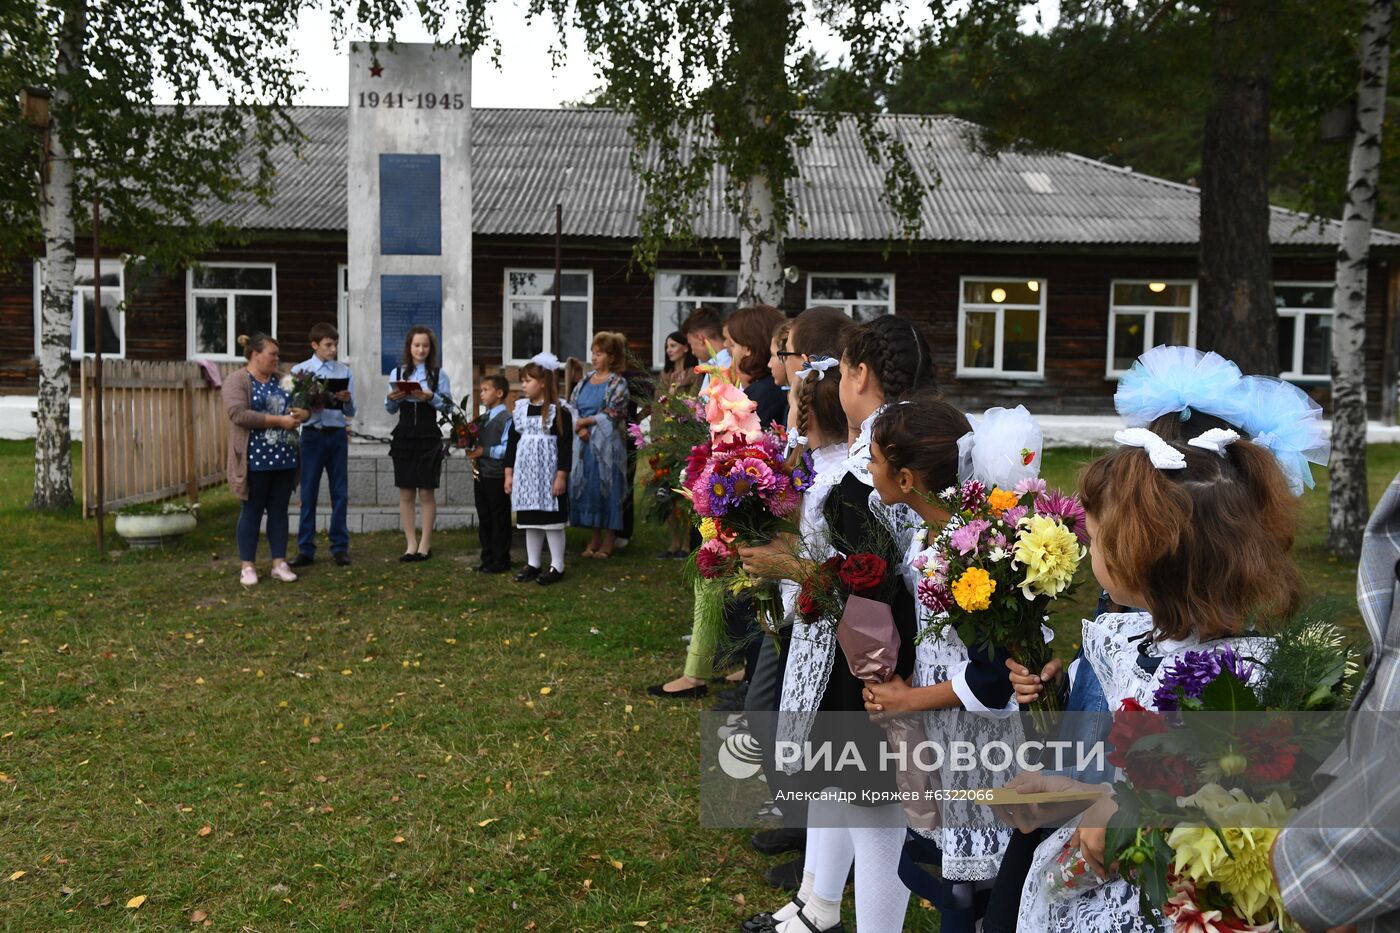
[1338, 860]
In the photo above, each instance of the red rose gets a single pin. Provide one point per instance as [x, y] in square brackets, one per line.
[1171, 773]
[862, 573]
[807, 606]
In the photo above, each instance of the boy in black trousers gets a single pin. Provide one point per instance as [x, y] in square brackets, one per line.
[489, 470]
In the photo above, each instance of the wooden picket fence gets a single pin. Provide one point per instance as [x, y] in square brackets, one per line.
[165, 433]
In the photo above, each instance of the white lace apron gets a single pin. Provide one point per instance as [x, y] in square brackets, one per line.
[1111, 645]
[536, 461]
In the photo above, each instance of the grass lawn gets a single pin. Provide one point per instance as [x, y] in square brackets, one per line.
[374, 747]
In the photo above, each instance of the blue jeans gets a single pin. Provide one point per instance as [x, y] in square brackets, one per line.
[269, 491]
[328, 451]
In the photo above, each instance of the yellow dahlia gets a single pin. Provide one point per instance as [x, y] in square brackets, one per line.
[973, 590]
[1249, 829]
[1050, 554]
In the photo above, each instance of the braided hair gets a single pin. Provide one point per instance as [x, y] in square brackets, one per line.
[819, 331]
[896, 354]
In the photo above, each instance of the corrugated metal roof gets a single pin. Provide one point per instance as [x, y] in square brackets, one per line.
[526, 160]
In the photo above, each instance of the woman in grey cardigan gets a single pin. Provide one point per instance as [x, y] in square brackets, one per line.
[262, 454]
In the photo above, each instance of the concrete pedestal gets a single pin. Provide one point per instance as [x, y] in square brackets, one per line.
[374, 499]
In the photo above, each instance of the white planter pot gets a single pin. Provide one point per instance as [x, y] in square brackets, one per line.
[150, 531]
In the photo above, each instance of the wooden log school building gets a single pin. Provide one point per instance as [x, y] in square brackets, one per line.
[1038, 277]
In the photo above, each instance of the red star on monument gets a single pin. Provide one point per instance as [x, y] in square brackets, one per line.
[376, 70]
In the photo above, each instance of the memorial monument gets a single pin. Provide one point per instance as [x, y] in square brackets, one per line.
[408, 198]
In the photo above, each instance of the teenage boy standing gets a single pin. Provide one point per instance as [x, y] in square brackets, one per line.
[325, 446]
[489, 468]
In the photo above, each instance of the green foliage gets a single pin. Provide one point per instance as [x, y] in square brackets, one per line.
[151, 165]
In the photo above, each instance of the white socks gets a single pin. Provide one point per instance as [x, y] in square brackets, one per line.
[804, 894]
[555, 536]
[534, 545]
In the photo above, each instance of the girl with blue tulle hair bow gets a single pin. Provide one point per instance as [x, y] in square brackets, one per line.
[1180, 392]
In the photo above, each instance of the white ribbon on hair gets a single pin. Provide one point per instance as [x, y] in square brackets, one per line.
[1163, 455]
[1215, 440]
[817, 365]
[547, 361]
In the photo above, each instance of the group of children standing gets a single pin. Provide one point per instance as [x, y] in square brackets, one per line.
[1200, 549]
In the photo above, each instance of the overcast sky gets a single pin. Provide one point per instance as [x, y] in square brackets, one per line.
[525, 78]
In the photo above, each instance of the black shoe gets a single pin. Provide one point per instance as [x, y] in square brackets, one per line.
[787, 876]
[777, 841]
[690, 693]
[341, 558]
[526, 574]
[479, 568]
[732, 700]
[423, 557]
[764, 922]
[499, 568]
[407, 557]
[301, 560]
[550, 577]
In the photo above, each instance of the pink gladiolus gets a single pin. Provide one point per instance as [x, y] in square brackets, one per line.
[639, 438]
[730, 413]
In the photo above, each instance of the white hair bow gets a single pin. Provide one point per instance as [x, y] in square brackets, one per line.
[817, 365]
[1163, 455]
[547, 361]
[1215, 440]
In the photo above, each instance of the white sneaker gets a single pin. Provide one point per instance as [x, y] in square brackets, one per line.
[248, 577]
[284, 573]
[621, 543]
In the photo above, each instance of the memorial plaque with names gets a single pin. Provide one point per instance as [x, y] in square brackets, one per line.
[404, 302]
[410, 204]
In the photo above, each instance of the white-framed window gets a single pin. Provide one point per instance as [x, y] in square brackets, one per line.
[1147, 313]
[1001, 327]
[529, 314]
[342, 311]
[1304, 330]
[226, 299]
[863, 297]
[84, 340]
[677, 293]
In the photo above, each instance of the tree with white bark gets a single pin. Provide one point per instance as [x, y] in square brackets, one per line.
[104, 67]
[1348, 501]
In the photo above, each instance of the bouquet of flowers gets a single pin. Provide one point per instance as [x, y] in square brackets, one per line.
[1006, 555]
[677, 424]
[307, 391]
[1204, 796]
[463, 431]
[739, 482]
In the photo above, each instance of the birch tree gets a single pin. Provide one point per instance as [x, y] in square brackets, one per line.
[1348, 502]
[152, 168]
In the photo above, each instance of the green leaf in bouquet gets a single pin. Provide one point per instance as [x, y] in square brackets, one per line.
[1157, 868]
[1226, 693]
[1122, 831]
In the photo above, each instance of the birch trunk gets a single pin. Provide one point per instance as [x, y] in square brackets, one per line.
[1348, 504]
[760, 246]
[53, 471]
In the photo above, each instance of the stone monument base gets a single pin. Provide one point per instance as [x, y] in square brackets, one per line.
[374, 499]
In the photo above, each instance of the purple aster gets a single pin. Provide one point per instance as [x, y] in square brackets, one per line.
[1191, 673]
[968, 538]
[1067, 509]
[1031, 484]
[1013, 515]
[974, 495]
[934, 596]
[920, 562]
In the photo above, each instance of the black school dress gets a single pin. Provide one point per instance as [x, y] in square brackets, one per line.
[416, 448]
[854, 528]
